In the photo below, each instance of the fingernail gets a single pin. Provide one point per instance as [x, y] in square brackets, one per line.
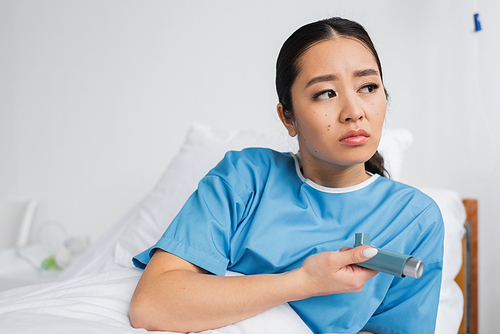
[370, 252]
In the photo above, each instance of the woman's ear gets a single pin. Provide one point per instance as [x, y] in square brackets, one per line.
[286, 122]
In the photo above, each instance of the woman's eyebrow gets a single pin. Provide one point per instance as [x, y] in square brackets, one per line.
[322, 78]
[365, 73]
[332, 77]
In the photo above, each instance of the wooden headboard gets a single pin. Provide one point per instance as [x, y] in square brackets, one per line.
[467, 277]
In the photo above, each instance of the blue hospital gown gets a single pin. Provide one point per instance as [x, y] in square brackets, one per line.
[255, 213]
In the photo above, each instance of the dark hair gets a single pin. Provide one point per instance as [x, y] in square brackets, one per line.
[288, 64]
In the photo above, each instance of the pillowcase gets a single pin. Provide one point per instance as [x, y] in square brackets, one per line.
[203, 148]
[451, 300]
[393, 144]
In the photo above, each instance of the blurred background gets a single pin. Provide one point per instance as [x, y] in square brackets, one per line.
[97, 96]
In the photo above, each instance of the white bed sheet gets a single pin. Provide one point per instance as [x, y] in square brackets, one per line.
[100, 304]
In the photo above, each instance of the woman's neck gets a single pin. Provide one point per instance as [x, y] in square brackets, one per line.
[333, 176]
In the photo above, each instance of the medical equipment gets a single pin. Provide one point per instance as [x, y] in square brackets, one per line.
[399, 265]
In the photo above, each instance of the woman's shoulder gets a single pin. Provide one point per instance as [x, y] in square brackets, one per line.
[406, 193]
[257, 154]
[253, 164]
[415, 211]
[256, 158]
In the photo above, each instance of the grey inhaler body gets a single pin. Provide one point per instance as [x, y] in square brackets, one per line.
[388, 262]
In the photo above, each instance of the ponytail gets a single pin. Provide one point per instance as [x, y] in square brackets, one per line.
[375, 165]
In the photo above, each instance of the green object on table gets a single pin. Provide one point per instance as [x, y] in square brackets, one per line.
[50, 263]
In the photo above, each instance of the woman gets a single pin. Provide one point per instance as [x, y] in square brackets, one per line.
[280, 219]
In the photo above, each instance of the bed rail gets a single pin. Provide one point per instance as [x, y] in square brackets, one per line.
[467, 278]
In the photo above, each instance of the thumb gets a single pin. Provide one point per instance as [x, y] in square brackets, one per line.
[359, 254]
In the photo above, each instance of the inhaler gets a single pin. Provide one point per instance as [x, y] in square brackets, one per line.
[388, 262]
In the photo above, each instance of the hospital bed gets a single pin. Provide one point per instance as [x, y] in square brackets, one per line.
[92, 295]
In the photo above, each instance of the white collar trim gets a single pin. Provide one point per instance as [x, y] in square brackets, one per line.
[296, 158]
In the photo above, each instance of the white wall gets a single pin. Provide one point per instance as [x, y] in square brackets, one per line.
[96, 96]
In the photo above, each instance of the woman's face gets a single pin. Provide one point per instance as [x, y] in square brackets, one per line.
[339, 104]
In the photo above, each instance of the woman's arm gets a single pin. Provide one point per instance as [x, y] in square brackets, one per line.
[175, 295]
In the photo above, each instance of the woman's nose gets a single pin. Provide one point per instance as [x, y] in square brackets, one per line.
[351, 110]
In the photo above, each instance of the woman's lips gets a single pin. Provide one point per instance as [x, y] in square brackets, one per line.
[354, 137]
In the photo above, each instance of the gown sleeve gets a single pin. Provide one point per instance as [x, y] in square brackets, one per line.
[201, 232]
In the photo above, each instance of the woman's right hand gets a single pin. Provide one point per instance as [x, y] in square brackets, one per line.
[335, 272]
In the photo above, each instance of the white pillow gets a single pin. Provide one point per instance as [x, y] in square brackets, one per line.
[203, 148]
[451, 299]
[393, 144]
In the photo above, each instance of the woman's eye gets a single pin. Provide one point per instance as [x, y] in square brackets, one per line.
[328, 94]
[368, 88]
